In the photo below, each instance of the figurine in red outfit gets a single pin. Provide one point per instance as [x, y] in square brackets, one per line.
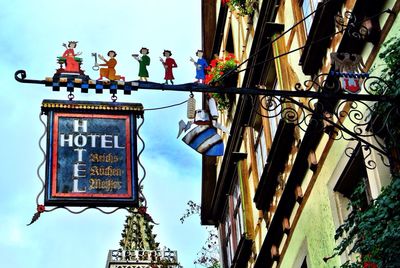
[168, 64]
[71, 65]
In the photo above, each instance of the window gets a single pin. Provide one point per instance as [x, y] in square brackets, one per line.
[237, 212]
[228, 239]
[260, 145]
[233, 226]
[349, 174]
[307, 7]
[261, 152]
[273, 123]
[274, 116]
[354, 172]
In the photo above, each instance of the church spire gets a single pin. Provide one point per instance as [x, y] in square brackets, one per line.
[138, 246]
[138, 231]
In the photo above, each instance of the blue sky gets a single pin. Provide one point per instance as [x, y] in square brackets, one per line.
[31, 36]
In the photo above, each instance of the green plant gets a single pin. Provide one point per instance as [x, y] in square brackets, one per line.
[221, 72]
[219, 67]
[244, 7]
[389, 112]
[372, 231]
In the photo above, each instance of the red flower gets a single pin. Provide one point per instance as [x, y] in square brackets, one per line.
[208, 79]
[40, 208]
[225, 1]
[219, 66]
[369, 264]
[213, 63]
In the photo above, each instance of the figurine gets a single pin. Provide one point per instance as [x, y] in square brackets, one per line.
[201, 64]
[144, 61]
[109, 72]
[168, 64]
[71, 63]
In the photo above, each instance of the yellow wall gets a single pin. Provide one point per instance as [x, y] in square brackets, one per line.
[320, 217]
[314, 230]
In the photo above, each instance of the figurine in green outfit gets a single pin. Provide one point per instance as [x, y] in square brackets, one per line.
[144, 61]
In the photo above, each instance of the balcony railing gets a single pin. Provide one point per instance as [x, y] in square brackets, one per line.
[163, 258]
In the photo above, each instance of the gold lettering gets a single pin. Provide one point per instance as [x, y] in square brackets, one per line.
[93, 171]
[105, 171]
[103, 158]
[107, 185]
[93, 157]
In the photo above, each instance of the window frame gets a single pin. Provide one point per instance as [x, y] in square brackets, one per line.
[312, 6]
[233, 223]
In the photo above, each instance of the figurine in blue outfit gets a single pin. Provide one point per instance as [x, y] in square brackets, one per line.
[200, 64]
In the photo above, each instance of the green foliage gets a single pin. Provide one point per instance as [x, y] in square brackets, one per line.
[222, 100]
[390, 112]
[391, 73]
[244, 7]
[373, 231]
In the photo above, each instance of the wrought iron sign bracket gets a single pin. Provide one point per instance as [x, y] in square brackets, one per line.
[127, 87]
[322, 98]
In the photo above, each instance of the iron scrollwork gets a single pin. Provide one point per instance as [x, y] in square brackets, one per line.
[348, 23]
[330, 99]
[351, 120]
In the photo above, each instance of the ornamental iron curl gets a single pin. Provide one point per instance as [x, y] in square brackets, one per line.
[340, 118]
[357, 29]
[367, 153]
[348, 23]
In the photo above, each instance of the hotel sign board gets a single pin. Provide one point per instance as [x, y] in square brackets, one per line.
[91, 153]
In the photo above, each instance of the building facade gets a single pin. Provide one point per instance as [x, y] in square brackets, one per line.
[281, 189]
